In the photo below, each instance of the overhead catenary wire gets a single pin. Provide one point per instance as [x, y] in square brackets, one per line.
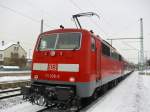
[72, 2]
[106, 20]
[99, 12]
[99, 27]
[91, 19]
[22, 14]
[35, 6]
[78, 7]
[125, 43]
[8, 35]
[25, 16]
[131, 47]
[18, 13]
[41, 10]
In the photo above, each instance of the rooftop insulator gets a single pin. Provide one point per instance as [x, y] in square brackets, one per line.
[91, 31]
[61, 26]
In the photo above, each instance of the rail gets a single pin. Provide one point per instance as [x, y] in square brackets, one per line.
[14, 84]
[10, 93]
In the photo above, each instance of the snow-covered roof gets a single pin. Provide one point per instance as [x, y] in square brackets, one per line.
[14, 78]
[10, 67]
[5, 46]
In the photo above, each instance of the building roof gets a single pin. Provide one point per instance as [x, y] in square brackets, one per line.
[5, 46]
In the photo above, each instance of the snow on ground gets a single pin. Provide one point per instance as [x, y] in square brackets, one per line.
[17, 105]
[13, 78]
[9, 89]
[147, 72]
[131, 95]
[2, 72]
[24, 107]
[10, 102]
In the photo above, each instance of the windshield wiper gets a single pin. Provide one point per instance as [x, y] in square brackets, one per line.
[75, 48]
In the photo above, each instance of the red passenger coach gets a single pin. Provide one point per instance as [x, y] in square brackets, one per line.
[70, 65]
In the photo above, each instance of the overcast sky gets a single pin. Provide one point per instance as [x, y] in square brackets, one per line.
[20, 20]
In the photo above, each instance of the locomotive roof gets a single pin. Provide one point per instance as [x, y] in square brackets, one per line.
[66, 30]
[80, 30]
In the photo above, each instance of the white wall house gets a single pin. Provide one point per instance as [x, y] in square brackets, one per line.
[10, 50]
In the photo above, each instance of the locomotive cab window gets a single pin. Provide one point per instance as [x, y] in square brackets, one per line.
[68, 41]
[93, 45]
[115, 55]
[105, 50]
[60, 41]
[47, 42]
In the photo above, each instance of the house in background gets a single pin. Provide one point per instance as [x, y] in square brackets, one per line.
[12, 54]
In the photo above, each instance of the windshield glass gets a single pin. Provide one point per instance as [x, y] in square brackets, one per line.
[48, 42]
[60, 41]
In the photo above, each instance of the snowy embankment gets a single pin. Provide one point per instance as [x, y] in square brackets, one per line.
[14, 78]
[10, 72]
[23, 107]
[147, 72]
[17, 105]
[131, 95]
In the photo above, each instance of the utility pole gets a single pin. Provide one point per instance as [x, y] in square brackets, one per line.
[141, 46]
[141, 57]
[42, 25]
[111, 41]
[138, 55]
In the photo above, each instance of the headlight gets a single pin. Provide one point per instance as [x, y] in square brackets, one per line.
[72, 79]
[35, 77]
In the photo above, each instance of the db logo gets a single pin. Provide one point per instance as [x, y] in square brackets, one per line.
[52, 67]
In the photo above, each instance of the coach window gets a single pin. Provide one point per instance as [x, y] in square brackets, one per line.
[93, 46]
[115, 55]
[120, 57]
[105, 50]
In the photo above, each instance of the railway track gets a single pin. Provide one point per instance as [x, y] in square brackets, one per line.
[15, 73]
[54, 110]
[10, 93]
[14, 84]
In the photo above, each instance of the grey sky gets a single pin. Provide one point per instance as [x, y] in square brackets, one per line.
[20, 20]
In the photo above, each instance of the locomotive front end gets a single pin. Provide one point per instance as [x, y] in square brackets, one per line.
[56, 69]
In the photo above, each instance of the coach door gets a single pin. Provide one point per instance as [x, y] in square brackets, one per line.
[98, 60]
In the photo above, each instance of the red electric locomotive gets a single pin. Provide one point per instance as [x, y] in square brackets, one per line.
[71, 64]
